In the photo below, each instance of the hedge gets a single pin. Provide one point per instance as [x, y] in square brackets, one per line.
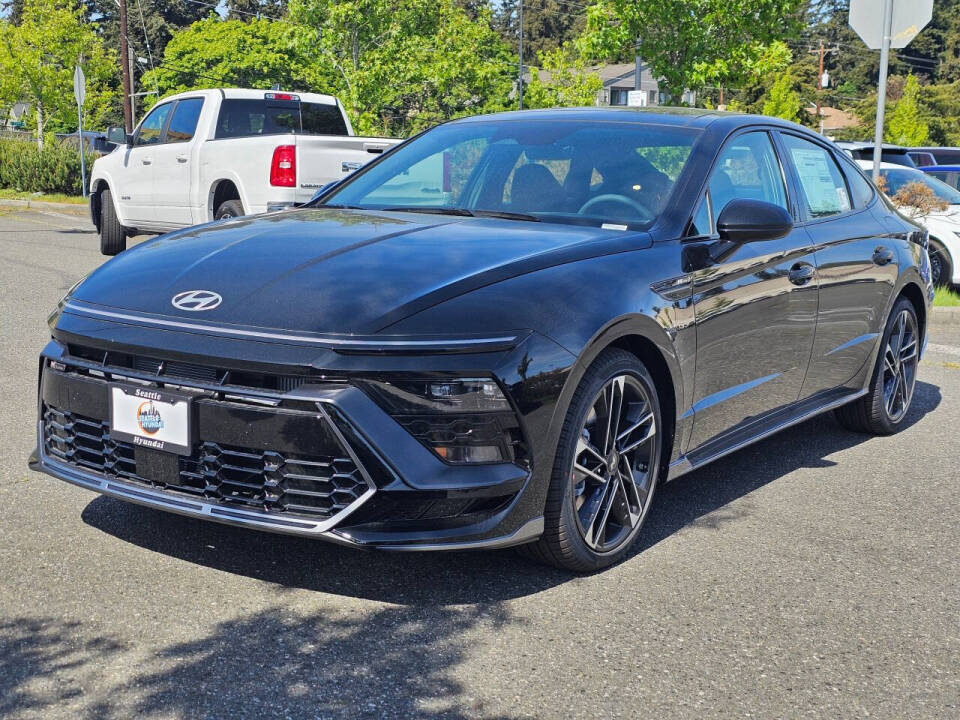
[54, 169]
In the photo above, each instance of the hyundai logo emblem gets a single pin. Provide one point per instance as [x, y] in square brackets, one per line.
[196, 300]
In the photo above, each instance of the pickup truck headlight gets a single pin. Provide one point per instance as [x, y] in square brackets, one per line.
[462, 420]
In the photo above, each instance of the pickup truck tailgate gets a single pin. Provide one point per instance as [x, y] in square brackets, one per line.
[324, 158]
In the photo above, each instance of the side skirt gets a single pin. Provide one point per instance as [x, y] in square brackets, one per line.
[762, 427]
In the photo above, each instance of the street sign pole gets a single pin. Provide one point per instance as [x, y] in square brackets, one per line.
[80, 94]
[83, 168]
[882, 86]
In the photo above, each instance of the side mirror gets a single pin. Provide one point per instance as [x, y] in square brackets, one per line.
[744, 221]
[118, 136]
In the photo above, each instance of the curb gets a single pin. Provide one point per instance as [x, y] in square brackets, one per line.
[945, 316]
[43, 205]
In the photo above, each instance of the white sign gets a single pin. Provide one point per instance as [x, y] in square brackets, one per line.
[79, 85]
[150, 418]
[909, 18]
[636, 98]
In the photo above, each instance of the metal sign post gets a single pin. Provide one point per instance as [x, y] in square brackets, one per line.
[887, 20]
[80, 94]
[895, 27]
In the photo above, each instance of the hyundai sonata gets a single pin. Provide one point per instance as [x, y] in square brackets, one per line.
[508, 330]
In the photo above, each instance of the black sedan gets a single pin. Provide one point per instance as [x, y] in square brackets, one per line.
[507, 331]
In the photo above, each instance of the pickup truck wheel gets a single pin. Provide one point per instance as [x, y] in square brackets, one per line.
[113, 237]
[229, 209]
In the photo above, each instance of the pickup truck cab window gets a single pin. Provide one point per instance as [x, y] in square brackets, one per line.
[183, 124]
[151, 129]
[248, 117]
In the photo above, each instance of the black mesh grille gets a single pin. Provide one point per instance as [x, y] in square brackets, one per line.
[262, 480]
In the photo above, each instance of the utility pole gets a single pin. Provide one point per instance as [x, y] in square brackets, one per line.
[821, 51]
[125, 68]
[520, 83]
[637, 69]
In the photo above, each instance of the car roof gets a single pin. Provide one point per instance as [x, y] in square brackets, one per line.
[945, 168]
[678, 116]
[848, 145]
[868, 165]
[251, 94]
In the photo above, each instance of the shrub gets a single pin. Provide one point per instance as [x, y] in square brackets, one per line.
[54, 169]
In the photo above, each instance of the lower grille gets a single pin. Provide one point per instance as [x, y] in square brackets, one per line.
[258, 479]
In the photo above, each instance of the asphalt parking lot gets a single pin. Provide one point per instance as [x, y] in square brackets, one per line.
[813, 575]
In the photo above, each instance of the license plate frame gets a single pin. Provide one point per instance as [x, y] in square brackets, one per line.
[151, 418]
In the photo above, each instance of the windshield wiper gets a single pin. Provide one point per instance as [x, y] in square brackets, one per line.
[431, 210]
[506, 215]
[464, 212]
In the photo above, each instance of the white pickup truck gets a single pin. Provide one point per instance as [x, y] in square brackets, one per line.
[209, 154]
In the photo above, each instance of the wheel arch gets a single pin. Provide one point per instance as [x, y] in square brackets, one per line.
[221, 190]
[915, 295]
[650, 343]
[96, 210]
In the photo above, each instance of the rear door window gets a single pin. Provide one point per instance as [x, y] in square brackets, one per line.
[183, 124]
[824, 189]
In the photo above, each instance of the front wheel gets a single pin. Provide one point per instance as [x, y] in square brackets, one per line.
[113, 236]
[883, 410]
[941, 270]
[608, 457]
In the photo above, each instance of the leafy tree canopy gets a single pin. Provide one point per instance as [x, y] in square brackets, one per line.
[689, 43]
[37, 60]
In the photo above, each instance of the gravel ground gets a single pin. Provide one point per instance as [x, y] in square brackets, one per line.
[812, 575]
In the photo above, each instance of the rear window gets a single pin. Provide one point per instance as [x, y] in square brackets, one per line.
[247, 117]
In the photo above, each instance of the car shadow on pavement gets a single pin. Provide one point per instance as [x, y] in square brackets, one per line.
[441, 579]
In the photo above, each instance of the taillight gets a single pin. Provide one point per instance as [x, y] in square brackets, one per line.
[283, 169]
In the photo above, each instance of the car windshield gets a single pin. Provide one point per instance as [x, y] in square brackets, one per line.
[601, 173]
[896, 179]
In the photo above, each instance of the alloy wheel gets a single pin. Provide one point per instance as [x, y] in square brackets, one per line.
[936, 266]
[616, 449]
[900, 359]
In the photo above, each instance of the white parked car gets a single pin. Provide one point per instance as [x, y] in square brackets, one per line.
[943, 225]
[209, 154]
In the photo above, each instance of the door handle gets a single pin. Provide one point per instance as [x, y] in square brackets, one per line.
[182, 158]
[146, 161]
[882, 255]
[802, 273]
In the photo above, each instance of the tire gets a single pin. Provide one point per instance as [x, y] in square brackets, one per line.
[113, 237]
[941, 269]
[229, 209]
[883, 410]
[569, 540]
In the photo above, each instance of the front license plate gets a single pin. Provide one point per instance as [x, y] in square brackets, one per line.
[150, 418]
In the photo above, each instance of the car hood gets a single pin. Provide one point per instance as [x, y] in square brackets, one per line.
[333, 271]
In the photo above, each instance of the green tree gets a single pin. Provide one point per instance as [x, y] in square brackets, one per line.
[403, 66]
[233, 53]
[37, 60]
[905, 124]
[783, 100]
[566, 83]
[687, 42]
[547, 25]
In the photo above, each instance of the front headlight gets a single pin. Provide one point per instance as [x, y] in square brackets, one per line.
[462, 420]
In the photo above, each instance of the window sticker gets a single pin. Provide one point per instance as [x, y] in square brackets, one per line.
[823, 195]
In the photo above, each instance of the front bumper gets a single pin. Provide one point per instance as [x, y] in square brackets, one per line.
[411, 500]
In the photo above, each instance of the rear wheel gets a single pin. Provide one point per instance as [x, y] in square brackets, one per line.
[941, 269]
[113, 236]
[883, 410]
[229, 209]
[606, 467]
